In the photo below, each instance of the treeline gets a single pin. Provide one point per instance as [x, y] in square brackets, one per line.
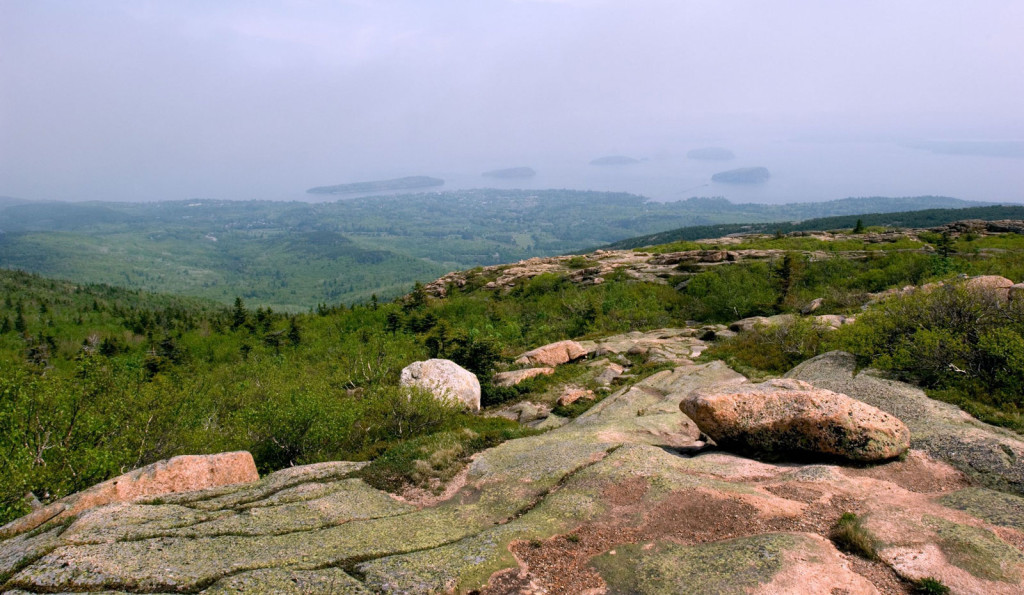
[911, 219]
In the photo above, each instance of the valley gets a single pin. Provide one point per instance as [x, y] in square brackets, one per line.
[291, 256]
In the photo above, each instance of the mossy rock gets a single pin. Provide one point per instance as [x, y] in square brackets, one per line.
[288, 582]
[735, 566]
[978, 551]
[998, 508]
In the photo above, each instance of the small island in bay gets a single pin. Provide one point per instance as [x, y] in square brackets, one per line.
[743, 175]
[614, 160]
[511, 173]
[711, 154]
[407, 183]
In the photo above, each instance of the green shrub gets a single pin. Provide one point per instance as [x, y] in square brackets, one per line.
[964, 346]
[578, 262]
[931, 586]
[728, 293]
[773, 349]
[429, 461]
[850, 536]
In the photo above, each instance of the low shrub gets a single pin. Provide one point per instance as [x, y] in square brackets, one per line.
[771, 349]
[931, 586]
[429, 462]
[850, 536]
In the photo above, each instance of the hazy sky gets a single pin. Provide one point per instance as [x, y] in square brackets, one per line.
[137, 100]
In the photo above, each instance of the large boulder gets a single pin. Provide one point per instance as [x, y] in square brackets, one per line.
[787, 417]
[997, 285]
[186, 473]
[553, 354]
[447, 380]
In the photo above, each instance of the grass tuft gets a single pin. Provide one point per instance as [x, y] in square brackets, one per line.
[850, 536]
[931, 586]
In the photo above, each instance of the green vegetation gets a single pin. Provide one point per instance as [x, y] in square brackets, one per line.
[965, 347]
[962, 347]
[291, 256]
[931, 586]
[95, 380]
[429, 461]
[850, 536]
[770, 350]
[976, 550]
[840, 214]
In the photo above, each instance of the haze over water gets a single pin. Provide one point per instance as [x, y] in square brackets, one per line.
[802, 171]
[177, 99]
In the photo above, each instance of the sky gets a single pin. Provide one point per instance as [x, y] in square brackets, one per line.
[173, 99]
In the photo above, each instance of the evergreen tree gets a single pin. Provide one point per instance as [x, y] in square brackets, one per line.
[392, 322]
[19, 319]
[239, 316]
[945, 245]
[294, 332]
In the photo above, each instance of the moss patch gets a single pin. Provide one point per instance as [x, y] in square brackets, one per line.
[288, 582]
[977, 551]
[725, 567]
[998, 508]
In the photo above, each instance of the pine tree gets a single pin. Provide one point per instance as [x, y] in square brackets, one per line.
[239, 315]
[294, 332]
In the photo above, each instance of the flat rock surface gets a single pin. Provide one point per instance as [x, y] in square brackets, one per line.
[553, 354]
[672, 345]
[620, 499]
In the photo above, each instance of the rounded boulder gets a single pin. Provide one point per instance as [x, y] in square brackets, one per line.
[786, 418]
[446, 380]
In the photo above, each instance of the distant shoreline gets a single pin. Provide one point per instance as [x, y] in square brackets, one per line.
[407, 183]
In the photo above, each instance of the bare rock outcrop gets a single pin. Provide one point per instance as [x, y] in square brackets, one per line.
[514, 377]
[621, 498]
[186, 473]
[553, 354]
[524, 412]
[674, 345]
[780, 417]
[571, 394]
[447, 380]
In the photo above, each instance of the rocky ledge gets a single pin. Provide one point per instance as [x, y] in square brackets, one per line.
[629, 497]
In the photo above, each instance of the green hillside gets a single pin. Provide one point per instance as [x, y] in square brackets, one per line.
[96, 380]
[908, 219]
[294, 255]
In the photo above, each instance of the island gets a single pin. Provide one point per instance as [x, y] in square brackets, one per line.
[407, 183]
[614, 160]
[743, 175]
[711, 154]
[511, 173]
